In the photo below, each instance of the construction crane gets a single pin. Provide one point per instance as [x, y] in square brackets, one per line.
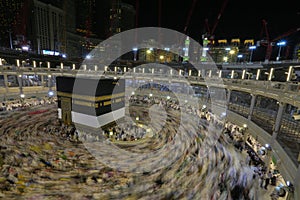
[208, 37]
[211, 31]
[270, 43]
[188, 19]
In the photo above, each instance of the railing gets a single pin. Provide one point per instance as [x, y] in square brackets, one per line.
[240, 109]
[286, 86]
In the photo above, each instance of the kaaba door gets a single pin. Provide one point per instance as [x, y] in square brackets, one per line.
[66, 108]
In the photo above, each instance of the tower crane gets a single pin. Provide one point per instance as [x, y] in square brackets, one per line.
[211, 31]
[188, 19]
[270, 43]
[209, 35]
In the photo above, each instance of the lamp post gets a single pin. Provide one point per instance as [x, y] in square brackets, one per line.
[148, 52]
[280, 44]
[225, 59]
[239, 57]
[252, 49]
[161, 57]
[134, 53]
[231, 52]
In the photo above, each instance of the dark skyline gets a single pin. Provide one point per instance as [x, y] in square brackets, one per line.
[239, 19]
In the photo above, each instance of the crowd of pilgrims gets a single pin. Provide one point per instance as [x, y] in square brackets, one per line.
[258, 175]
[20, 104]
[210, 168]
[226, 177]
[227, 174]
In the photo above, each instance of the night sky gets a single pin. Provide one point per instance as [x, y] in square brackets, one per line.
[241, 19]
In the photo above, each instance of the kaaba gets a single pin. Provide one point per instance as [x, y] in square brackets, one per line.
[90, 102]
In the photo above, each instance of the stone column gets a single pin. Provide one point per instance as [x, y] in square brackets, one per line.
[20, 81]
[49, 81]
[42, 80]
[278, 120]
[203, 71]
[228, 96]
[253, 99]
[275, 133]
[5, 85]
[5, 81]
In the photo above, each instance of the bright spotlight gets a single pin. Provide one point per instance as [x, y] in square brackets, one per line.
[50, 93]
[25, 48]
[282, 43]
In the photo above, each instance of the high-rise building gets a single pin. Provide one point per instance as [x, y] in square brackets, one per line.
[64, 26]
[127, 17]
[86, 20]
[13, 20]
[69, 7]
[56, 3]
[73, 45]
[49, 28]
[122, 17]
[85, 17]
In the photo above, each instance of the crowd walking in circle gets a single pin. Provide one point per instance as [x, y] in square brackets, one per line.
[51, 157]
